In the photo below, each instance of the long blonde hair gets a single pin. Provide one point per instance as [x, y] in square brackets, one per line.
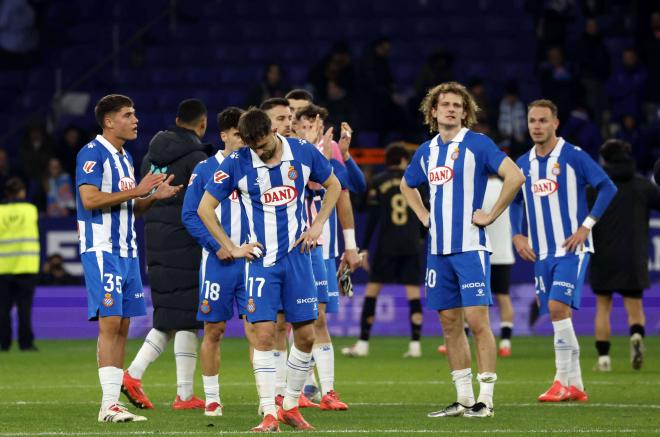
[431, 101]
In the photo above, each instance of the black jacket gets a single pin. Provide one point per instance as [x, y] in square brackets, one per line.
[173, 256]
[621, 236]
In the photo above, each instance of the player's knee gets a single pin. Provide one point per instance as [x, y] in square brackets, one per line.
[263, 341]
[214, 332]
[558, 310]
[415, 311]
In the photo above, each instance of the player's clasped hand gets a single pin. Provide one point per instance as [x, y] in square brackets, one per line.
[249, 251]
[308, 239]
[148, 183]
[165, 190]
[576, 240]
[521, 244]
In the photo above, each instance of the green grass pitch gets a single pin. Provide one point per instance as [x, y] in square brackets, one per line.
[56, 392]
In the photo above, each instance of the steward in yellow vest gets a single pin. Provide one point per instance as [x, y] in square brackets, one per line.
[19, 264]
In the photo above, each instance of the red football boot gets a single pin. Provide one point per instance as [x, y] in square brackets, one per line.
[132, 388]
[269, 424]
[194, 403]
[294, 419]
[556, 393]
[331, 402]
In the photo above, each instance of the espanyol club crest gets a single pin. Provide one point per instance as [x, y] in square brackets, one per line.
[251, 307]
[440, 175]
[88, 166]
[455, 154]
[192, 178]
[126, 184]
[108, 301]
[555, 169]
[204, 307]
[219, 176]
[293, 174]
[544, 187]
[278, 196]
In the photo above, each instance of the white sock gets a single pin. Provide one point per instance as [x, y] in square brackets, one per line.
[563, 349]
[311, 375]
[486, 387]
[185, 354]
[324, 356]
[575, 375]
[280, 372]
[111, 379]
[463, 382]
[154, 345]
[297, 367]
[263, 363]
[211, 389]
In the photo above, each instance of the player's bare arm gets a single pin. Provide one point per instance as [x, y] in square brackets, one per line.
[415, 202]
[521, 243]
[93, 198]
[163, 191]
[311, 235]
[513, 180]
[206, 212]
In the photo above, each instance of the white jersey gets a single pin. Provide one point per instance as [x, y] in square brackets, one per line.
[499, 232]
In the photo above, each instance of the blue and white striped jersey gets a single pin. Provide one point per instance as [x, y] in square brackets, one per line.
[457, 174]
[329, 235]
[555, 197]
[111, 229]
[228, 211]
[272, 197]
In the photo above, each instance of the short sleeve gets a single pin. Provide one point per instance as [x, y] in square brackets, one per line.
[592, 173]
[493, 155]
[415, 174]
[320, 168]
[89, 167]
[224, 179]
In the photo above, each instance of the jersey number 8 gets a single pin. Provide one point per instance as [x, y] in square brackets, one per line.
[399, 209]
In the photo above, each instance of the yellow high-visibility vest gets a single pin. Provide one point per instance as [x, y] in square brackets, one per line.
[19, 238]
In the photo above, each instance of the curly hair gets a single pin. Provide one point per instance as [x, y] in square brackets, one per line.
[430, 103]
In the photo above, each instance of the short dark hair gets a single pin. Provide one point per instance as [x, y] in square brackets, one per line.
[228, 118]
[110, 104]
[13, 186]
[615, 150]
[311, 111]
[269, 104]
[254, 125]
[190, 110]
[394, 153]
[300, 94]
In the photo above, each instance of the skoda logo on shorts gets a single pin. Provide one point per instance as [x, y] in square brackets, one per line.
[278, 196]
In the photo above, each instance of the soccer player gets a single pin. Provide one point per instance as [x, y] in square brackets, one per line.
[501, 260]
[456, 164]
[397, 256]
[559, 226]
[221, 283]
[108, 201]
[270, 176]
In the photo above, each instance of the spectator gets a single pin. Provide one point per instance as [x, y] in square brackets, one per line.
[558, 81]
[486, 114]
[271, 85]
[627, 217]
[512, 121]
[379, 109]
[594, 61]
[54, 273]
[626, 86]
[333, 79]
[651, 54]
[6, 171]
[59, 186]
[19, 37]
[581, 130]
[35, 151]
[19, 264]
[632, 134]
[69, 146]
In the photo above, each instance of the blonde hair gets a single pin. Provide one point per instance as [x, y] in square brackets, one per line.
[431, 101]
[544, 103]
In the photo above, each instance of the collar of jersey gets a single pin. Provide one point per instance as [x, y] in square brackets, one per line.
[287, 154]
[437, 140]
[107, 144]
[555, 152]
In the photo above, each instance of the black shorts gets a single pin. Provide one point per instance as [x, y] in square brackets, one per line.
[396, 269]
[500, 277]
[633, 294]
